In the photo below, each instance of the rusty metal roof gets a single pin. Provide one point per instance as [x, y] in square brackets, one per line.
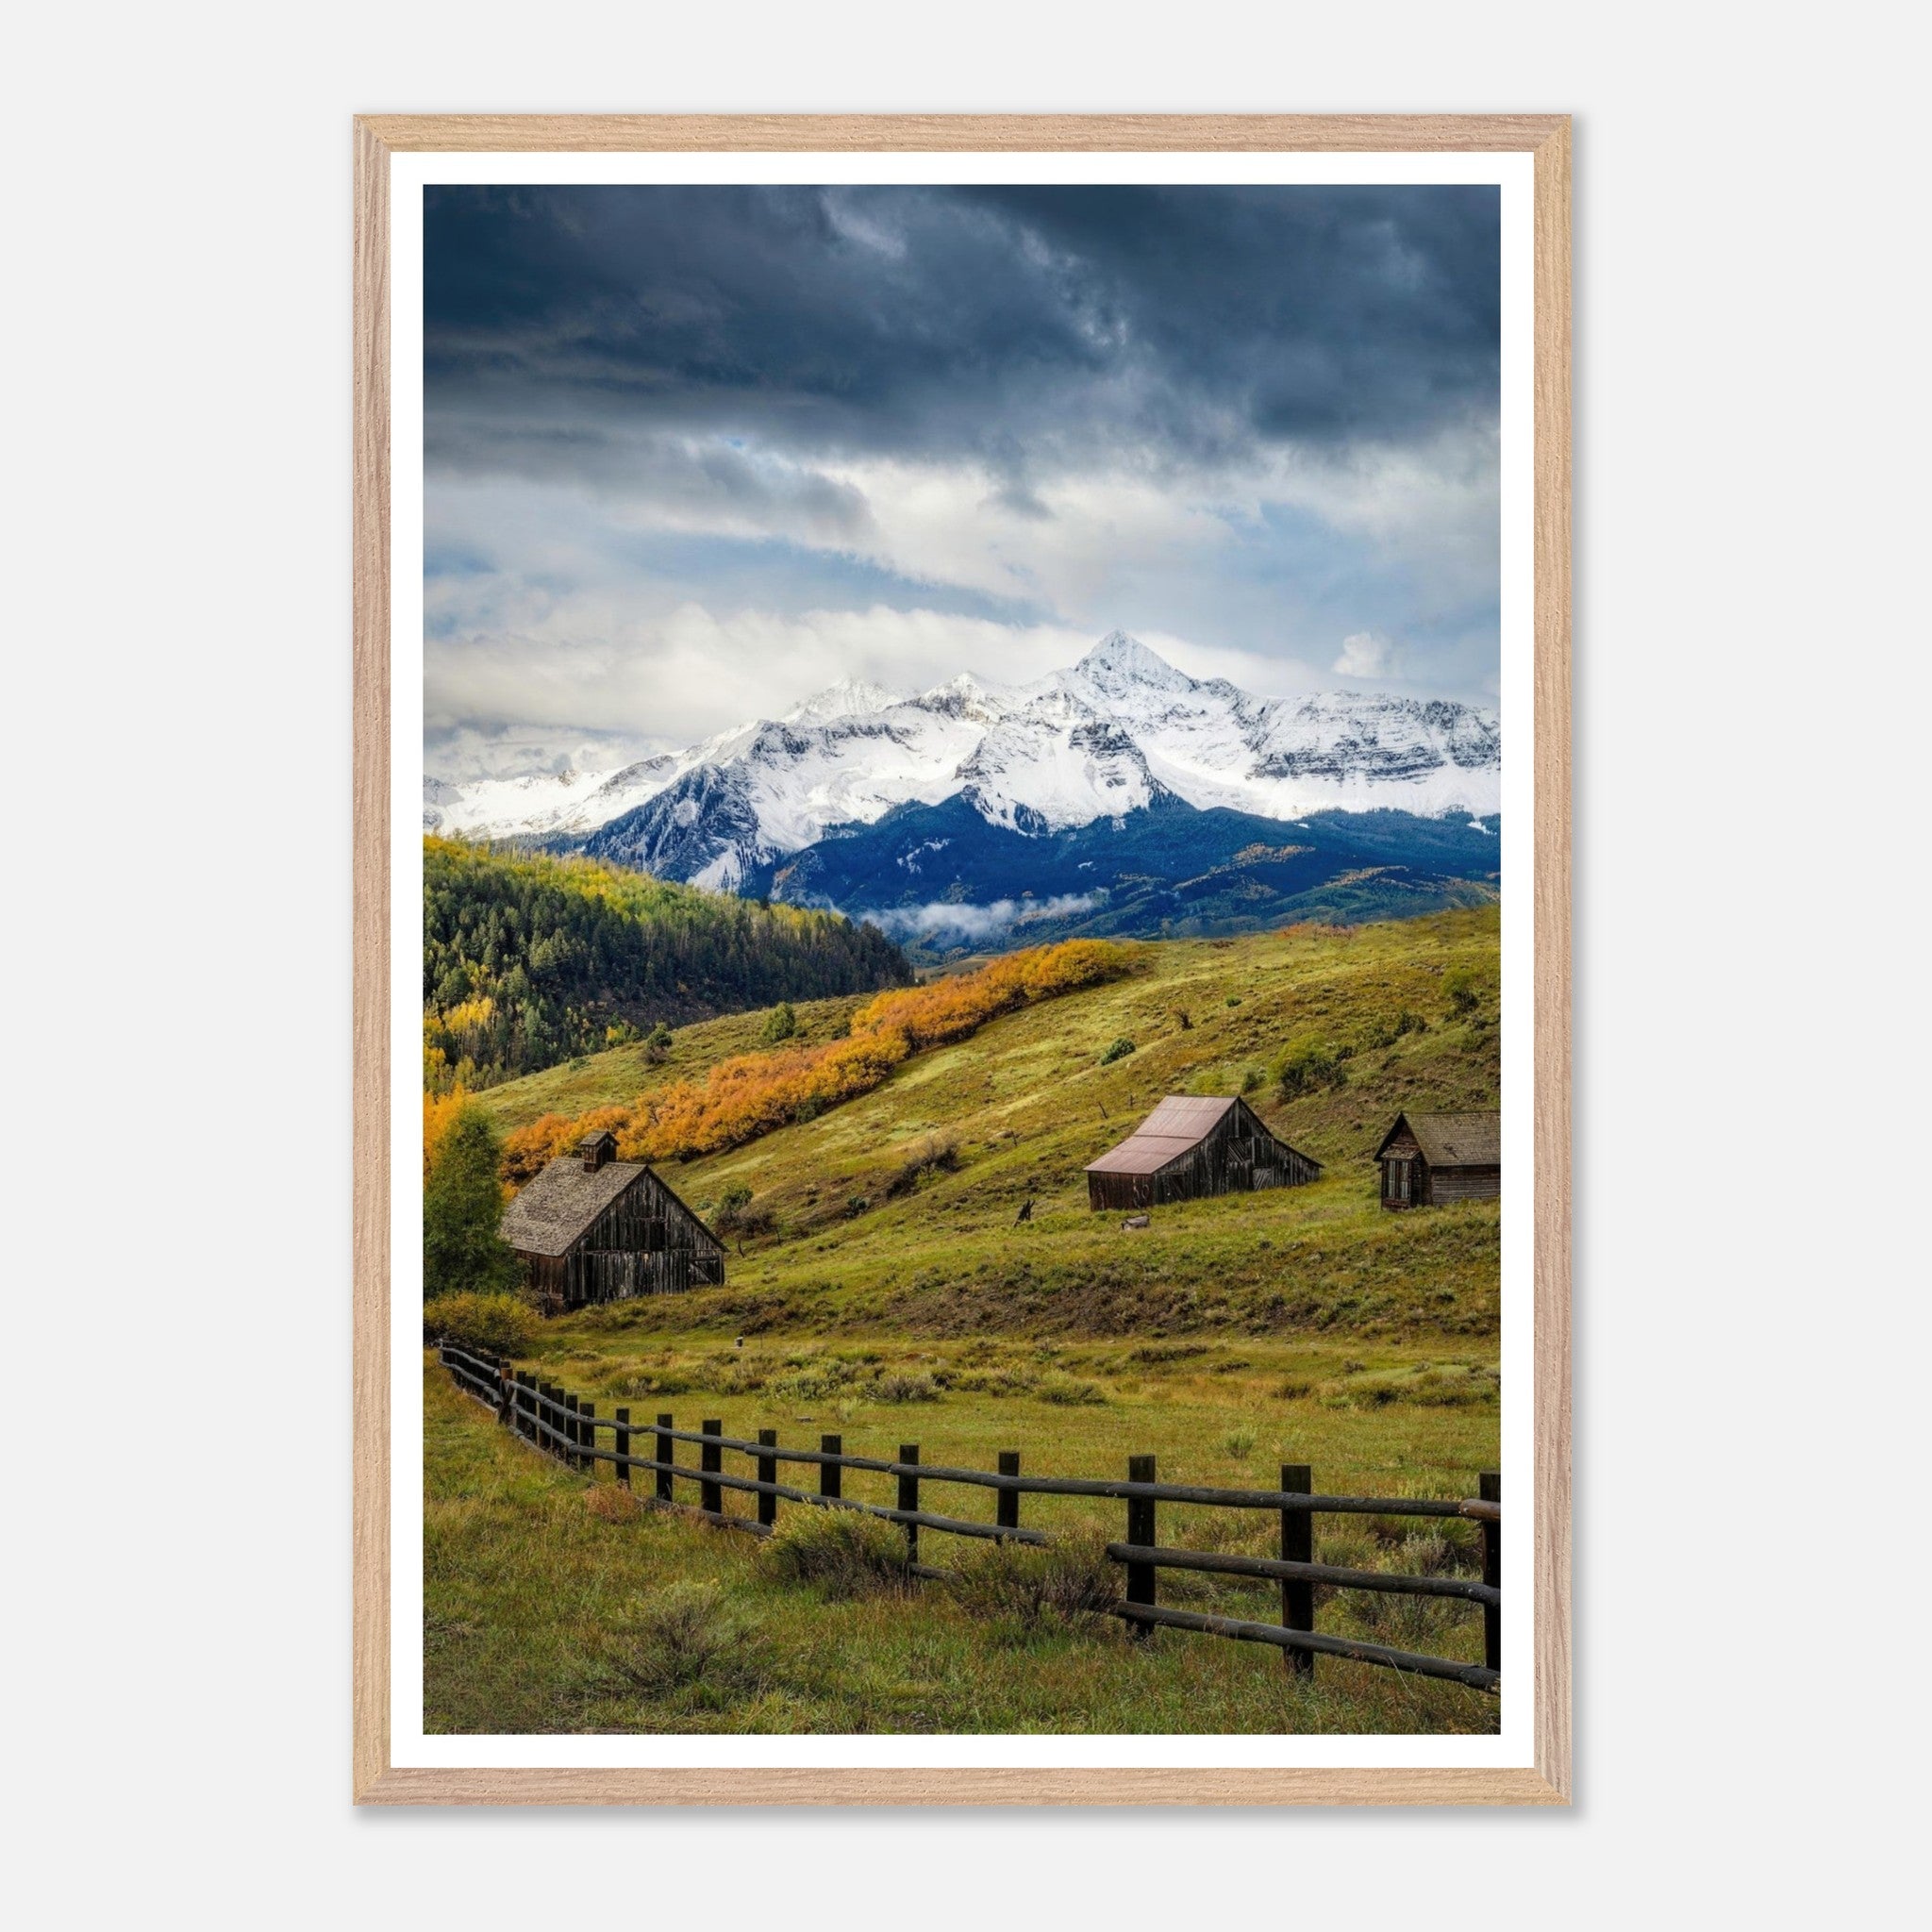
[1143, 1154]
[1175, 1128]
[1452, 1140]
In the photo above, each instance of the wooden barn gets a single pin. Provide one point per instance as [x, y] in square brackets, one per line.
[1431, 1158]
[593, 1228]
[1187, 1147]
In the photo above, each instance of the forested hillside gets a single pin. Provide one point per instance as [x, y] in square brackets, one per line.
[529, 961]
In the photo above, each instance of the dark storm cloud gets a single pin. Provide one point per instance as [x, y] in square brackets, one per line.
[584, 331]
[693, 452]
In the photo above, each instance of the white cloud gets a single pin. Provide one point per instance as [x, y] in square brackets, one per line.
[976, 922]
[1368, 654]
[614, 608]
[581, 664]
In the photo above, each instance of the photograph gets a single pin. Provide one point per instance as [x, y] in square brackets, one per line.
[964, 998]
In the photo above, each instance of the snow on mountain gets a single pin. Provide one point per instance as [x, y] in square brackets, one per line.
[851, 697]
[1120, 730]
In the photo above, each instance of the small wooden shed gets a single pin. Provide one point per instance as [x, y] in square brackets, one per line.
[1187, 1147]
[1431, 1158]
[593, 1228]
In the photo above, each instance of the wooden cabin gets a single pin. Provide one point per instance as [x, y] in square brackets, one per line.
[1431, 1158]
[1186, 1148]
[592, 1228]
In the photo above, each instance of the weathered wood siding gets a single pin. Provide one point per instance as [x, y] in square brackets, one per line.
[1409, 1181]
[1237, 1156]
[1465, 1184]
[1404, 1175]
[645, 1243]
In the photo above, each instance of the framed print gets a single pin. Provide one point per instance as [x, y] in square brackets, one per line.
[961, 903]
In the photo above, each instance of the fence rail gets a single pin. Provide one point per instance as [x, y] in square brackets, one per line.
[567, 1427]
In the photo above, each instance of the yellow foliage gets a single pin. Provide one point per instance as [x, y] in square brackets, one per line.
[756, 1093]
[439, 1111]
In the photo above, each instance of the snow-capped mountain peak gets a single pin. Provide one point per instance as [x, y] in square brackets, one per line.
[1118, 664]
[1119, 731]
[966, 697]
[851, 697]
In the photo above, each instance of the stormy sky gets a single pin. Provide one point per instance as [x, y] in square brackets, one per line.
[693, 452]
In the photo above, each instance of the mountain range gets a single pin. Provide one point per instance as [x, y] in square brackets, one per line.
[1118, 794]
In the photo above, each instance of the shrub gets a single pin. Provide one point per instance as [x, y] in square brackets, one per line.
[1384, 1033]
[936, 1154]
[858, 1204]
[753, 1222]
[900, 1387]
[1118, 1050]
[1252, 1079]
[657, 1044]
[845, 1551]
[1030, 1587]
[496, 1324]
[1309, 1063]
[1462, 989]
[1239, 1443]
[813, 1379]
[684, 1636]
[1064, 1392]
[664, 1382]
[781, 1022]
[995, 1381]
[730, 1214]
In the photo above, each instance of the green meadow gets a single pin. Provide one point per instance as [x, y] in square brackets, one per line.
[884, 1285]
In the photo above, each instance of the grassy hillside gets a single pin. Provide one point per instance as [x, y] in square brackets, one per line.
[880, 1285]
[529, 961]
[897, 1212]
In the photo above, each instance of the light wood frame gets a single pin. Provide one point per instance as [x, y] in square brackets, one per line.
[374, 1779]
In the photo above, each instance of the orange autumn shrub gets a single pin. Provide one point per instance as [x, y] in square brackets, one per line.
[755, 1093]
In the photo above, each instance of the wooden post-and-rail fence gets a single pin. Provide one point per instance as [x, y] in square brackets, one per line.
[559, 1423]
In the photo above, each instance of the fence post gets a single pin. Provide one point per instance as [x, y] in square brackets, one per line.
[623, 1446]
[908, 1499]
[1007, 1509]
[526, 1411]
[586, 1437]
[768, 1473]
[665, 1456]
[1140, 1529]
[1298, 1546]
[711, 1460]
[831, 1476]
[545, 1422]
[1490, 1488]
[504, 1385]
[572, 1433]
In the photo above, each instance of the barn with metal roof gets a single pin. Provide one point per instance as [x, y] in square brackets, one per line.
[1189, 1147]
